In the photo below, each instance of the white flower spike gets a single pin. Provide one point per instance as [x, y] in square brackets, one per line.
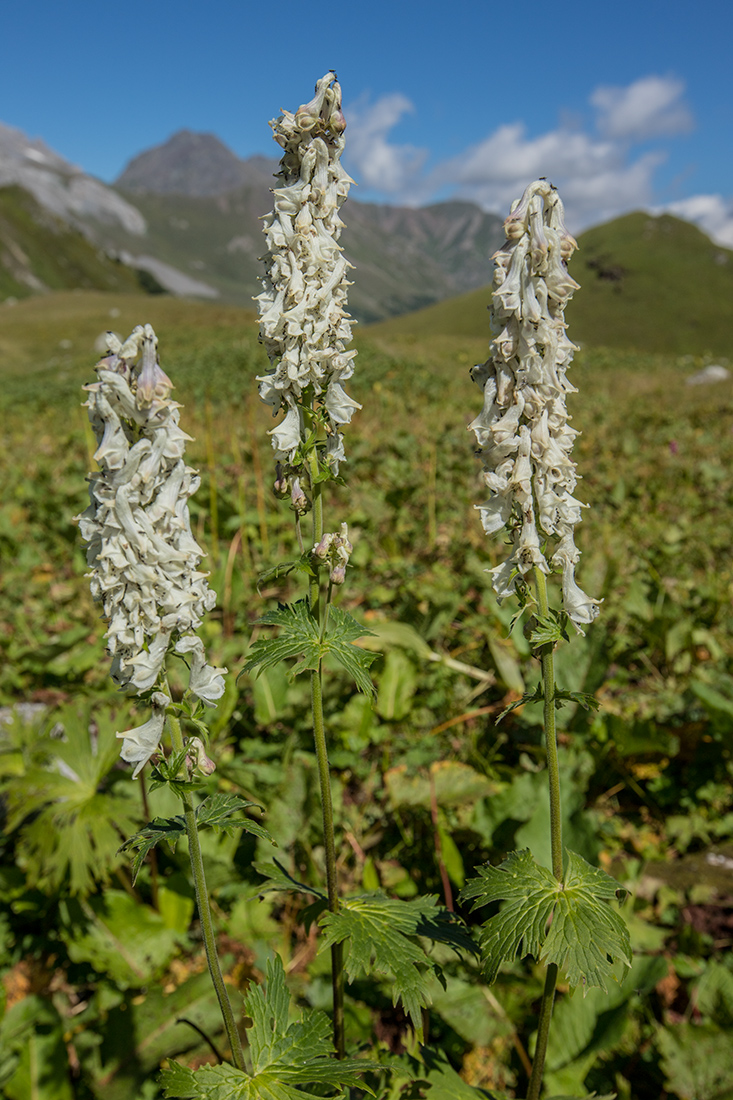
[304, 325]
[523, 433]
[140, 547]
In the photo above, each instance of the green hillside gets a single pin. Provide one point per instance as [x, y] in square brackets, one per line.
[656, 284]
[41, 252]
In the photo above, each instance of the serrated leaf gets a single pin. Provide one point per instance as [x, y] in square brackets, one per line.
[547, 630]
[341, 633]
[586, 701]
[285, 1053]
[535, 696]
[224, 813]
[216, 811]
[300, 636]
[586, 939]
[169, 829]
[382, 937]
[277, 878]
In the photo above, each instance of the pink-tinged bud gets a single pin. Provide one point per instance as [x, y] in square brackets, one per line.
[298, 500]
[281, 488]
[338, 575]
[152, 381]
[321, 549]
[196, 758]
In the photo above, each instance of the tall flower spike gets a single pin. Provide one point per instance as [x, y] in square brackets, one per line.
[143, 556]
[304, 325]
[523, 433]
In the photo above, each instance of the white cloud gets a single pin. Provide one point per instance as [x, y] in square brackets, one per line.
[712, 213]
[594, 176]
[599, 172]
[391, 169]
[650, 107]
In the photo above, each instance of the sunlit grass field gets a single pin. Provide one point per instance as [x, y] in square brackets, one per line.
[647, 779]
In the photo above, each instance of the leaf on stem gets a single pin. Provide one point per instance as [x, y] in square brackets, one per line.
[300, 636]
[548, 629]
[285, 1054]
[221, 812]
[382, 935]
[586, 938]
[278, 879]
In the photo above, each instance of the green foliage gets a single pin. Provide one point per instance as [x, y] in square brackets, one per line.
[382, 935]
[585, 938]
[224, 813]
[697, 1060]
[300, 636]
[284, 1054]
[60, 799]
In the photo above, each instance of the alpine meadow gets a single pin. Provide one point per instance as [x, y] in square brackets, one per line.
[366, 692]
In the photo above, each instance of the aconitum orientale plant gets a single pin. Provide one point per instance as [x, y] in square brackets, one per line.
[305, 329]
[525, 441]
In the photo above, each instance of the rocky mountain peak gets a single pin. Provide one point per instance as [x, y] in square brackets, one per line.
[193, 164]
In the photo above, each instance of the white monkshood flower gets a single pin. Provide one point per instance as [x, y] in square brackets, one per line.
[304, 325]
[141, 743]
[523, 433]
[143, 556]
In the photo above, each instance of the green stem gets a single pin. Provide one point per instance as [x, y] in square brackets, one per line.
[204, 910]
[553, 774]
[324, 778]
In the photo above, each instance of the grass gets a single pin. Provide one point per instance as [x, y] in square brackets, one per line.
[647, 779]
[653, 284]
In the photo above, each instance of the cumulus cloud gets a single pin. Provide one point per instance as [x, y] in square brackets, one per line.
[600, 170]
[391, 169]
[596, 176]
[712, 213]
[649, 108]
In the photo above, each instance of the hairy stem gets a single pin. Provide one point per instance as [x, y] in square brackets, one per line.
[324, 777]
[553, 773]
[204, 910]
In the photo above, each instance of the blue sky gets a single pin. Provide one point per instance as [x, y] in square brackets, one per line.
[624, 105]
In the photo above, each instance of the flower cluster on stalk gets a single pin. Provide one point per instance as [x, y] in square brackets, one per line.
[523, 433]
[140, 547]
[304, 326]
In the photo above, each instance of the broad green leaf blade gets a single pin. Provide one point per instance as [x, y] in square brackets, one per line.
[530, 892]
[382, 937]
[587, 937]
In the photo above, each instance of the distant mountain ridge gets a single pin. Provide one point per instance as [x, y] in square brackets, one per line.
[193, 164]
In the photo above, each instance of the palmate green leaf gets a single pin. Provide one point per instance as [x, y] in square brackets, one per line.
[62, 800]
[587, 939]
[300, 636]
[382, 938]
[224, 813]
[285, 1054]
